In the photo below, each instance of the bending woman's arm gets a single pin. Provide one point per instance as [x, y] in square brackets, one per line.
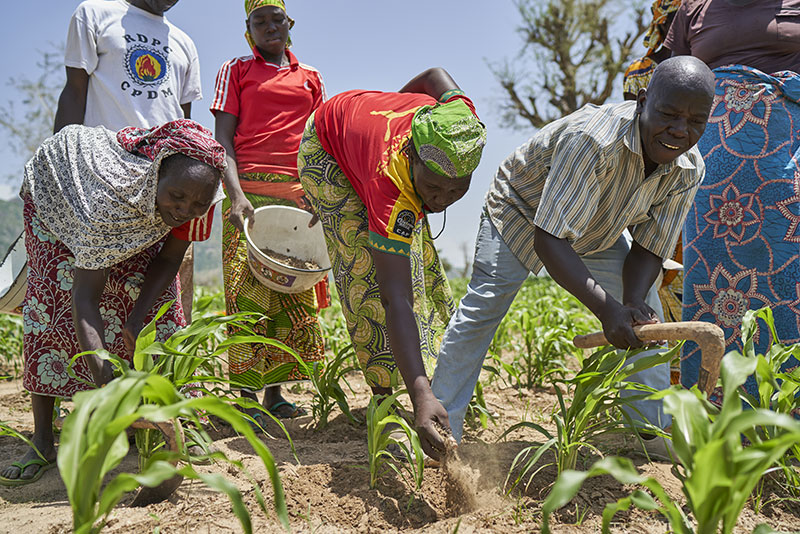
[160, 274]
[433, 82]
[394, 281]
[224, 130]
[87, 289]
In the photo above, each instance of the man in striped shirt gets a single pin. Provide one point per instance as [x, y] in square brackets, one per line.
[564, 201]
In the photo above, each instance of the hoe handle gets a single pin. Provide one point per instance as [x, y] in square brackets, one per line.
[709, 337]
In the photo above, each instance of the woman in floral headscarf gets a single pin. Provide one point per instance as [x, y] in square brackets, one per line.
[108, 217]
[372, 164]
[261, 104]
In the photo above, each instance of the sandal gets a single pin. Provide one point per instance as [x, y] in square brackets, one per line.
[44, 465]
[258, 422]
[293, 411]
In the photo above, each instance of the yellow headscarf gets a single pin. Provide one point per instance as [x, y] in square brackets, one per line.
[252, 5]
[661, 9]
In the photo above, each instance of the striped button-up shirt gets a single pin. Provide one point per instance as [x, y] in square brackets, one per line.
[581, 178]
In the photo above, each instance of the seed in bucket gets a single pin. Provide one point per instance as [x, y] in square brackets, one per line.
[291, 261]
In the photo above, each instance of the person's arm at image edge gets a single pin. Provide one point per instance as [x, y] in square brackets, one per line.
[72, 100]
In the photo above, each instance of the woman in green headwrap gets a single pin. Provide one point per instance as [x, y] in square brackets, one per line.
[261, 105]
[372, 164]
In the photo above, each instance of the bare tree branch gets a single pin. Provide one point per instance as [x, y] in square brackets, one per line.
[580, 52]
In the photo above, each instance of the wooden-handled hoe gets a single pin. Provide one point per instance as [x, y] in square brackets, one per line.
[709, 337]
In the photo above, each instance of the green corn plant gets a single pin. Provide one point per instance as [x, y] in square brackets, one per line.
[7, 430]
[93, 443]
[326, 378]
[334, 326]
[478, 413]
[534, 341]
[778, 390]
[207, 302]
[595, 410]
[380, 413]
[537, 335]
[183, 360]
[717, 471]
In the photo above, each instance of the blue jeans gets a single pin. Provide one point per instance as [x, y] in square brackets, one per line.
[497, 276]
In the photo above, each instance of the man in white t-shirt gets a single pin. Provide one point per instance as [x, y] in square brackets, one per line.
[127, 65]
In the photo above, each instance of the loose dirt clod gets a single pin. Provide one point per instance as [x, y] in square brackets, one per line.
[461, 491]
[291, 261]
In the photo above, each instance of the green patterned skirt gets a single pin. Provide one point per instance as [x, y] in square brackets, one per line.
[344, 220]
[291, 319]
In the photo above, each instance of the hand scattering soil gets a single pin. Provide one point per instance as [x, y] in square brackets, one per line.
[291, 261]
[461, 489]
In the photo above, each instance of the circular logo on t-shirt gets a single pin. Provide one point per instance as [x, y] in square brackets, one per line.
[146, 66]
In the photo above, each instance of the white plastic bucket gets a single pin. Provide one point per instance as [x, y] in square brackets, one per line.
[14, 277]
[285, 230]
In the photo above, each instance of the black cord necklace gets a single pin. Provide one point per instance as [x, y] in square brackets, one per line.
[444, 223]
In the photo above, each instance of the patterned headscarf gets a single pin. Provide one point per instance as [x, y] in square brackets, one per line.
[638, 75]
[449, 138]
[661, 9]
[182, 136]
[252, 5]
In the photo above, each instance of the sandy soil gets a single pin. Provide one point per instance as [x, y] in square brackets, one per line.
[327, 490]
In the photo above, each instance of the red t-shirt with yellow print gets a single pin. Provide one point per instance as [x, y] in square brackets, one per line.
[365, 131]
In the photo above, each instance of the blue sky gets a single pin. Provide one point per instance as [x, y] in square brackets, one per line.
[356, 44]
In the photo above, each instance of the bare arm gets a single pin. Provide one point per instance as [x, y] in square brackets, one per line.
[640, 270]
[433, 82]
[187, 110]
[72, 102]
[160, 274]
[241, 208]
[87, 290]
[568, 270]
[394, 280]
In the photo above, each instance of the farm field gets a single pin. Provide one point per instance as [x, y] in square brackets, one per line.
[325, 468]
